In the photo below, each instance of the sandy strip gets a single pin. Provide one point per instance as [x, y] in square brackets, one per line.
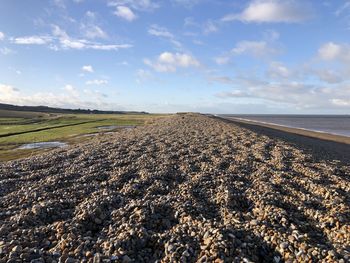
[304, 132]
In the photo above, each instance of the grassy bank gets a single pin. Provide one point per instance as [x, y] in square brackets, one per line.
[18, 128]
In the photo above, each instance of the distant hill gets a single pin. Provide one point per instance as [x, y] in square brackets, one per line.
[46, 109]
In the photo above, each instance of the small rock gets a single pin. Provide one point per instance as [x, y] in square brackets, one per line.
[170, 248]
[17, 249]
[97, 258]
[38, 260]
[114, 257]
[206, 235]
[126, 259]
[186, 254]
[70, 260]
[36, 209]
[284, 245]
[98, 221]
[276, 259]
[207, 241]
[254, 222]
[331, 253]
[56, 254]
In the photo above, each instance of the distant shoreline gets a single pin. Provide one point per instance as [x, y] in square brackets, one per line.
[300, 131]
[322, 146]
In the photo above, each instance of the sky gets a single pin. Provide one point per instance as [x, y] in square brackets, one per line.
[210, 56]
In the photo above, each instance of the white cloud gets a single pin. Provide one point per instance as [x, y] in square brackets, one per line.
[329, 76]
[90, 14]
[58, 32]
[186, 3]
[221, 79]
[73, 44]
[210, 27]
[343, 13]
[143, 76]
[125, 9]
[329, 51]
[271, 35]
[68, 97]
[71, 90]
[141, 73]
[189, 21]
[93, 31]
[32, 40]
[254, 48]
[95, 94]
[108, 47]
[125, 13]
[232, 94]
[272, 11]
[207, 27]
[124, 63]
[333, 51]
[158, 31]
[343, 8]
[257, 49]
[141, 5]
[17, 71]
[59, 3]
[222, 60]
[169, 62]
[66, 42]
[6, 51]
[2, 36]
[97, 82]
[278, 70]
[198, 42]
[7, 90]
[87, 68]
[341, 102]
[297, 95]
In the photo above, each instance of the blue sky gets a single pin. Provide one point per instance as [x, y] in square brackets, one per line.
[258, 56]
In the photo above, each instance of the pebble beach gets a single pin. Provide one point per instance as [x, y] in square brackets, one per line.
[184, 188]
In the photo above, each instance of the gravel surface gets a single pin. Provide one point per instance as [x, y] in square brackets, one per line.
[187, 188]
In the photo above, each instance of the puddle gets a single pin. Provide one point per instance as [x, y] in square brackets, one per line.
[42, 145]
[112, 127]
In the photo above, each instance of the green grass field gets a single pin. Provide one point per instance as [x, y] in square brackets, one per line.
[18, 128]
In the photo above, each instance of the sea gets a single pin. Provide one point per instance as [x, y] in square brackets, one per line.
[332, 124]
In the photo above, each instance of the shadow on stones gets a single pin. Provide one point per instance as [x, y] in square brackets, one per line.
[306, 225]
[155, 219]
[249, 246]
[202, 202]
[47, 214]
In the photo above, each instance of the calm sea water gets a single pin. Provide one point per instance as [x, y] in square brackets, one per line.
[334, 124]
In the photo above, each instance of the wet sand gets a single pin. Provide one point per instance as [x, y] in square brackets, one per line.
[186, 188]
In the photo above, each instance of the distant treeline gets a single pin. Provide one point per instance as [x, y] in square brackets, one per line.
[58, 110]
